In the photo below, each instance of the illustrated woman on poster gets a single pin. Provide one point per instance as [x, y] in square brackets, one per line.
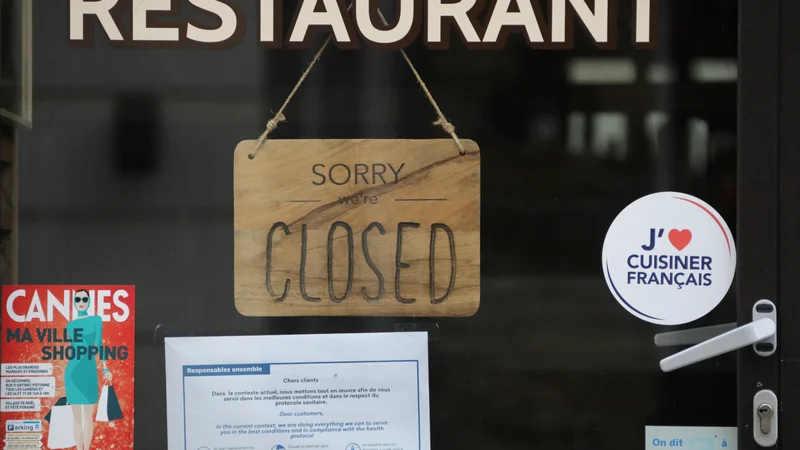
[80, 376]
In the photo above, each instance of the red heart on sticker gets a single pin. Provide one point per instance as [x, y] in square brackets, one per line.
[680, 238]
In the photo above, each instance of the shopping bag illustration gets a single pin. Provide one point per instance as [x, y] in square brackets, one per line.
[60, 402]
[108, 408]
[61, 431]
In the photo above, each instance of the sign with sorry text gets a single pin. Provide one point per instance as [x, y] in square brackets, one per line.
[357, 227]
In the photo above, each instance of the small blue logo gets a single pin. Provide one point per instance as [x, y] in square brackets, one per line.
[279, 447]
[23, 426]
[352, 447]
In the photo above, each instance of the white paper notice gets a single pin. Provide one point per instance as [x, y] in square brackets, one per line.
[334, 391]
[691, 438]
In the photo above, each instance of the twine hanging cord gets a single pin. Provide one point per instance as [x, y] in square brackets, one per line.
[442, 122]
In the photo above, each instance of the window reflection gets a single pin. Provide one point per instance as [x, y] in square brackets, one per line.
[719, 70]
[601, 71]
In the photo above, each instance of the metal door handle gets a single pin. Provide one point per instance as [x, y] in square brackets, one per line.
[733, 340]
[719, 339]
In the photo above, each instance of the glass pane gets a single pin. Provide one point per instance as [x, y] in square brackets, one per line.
[127, 178]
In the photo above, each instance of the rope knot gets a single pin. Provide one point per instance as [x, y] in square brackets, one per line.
[448, 127]
[273, 123]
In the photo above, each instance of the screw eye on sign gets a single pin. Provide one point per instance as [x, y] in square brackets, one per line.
[357, 228]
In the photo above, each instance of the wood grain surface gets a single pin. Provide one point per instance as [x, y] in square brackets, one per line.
[344, 228]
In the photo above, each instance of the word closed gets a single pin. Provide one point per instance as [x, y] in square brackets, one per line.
[218, 22]
[405, 243]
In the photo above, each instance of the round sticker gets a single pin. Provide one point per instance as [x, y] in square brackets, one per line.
[669, 258]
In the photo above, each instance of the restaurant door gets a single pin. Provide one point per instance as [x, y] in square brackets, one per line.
[126, 177]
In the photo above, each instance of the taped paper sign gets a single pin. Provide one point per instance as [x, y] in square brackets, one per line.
[357, 227]
[695, 438]
[669, 258]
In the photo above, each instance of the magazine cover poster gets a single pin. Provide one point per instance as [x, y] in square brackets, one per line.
[66, 379]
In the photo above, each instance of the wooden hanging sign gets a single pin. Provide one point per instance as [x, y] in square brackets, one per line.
[357, 228]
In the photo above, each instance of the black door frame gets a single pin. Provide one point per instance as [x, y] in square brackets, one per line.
[789, 221]
[768, 201]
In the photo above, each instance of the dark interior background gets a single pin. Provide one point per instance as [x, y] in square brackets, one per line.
[126, 178]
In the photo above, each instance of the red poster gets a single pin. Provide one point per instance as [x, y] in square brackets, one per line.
[66, 379]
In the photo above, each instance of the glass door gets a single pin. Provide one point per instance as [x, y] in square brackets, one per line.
[126, 177]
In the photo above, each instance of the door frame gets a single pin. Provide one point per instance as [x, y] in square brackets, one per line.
[789, 221]
[23, 116]
[768, 200]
